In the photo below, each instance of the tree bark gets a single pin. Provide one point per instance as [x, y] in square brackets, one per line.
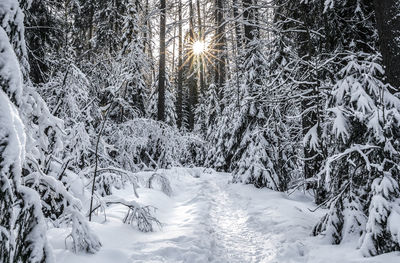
[193, 93]
[161, 71]
[248, 16]
[238, 31]
[179, 99]
[201, 59]
[239, 39]
[174, 45]
[388, 24]
[220, 47]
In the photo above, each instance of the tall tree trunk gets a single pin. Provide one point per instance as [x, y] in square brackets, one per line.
[250, 21]
[179, 100]
[146, 31]
[91, 16]
[150, 46]
[193, 95]
[174, 45]
[388, 24]
[220, 47]
[238, 31]
[201, 59]
[161, 71]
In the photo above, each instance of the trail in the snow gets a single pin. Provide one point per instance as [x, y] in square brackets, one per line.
[235, 238]
[211, 223]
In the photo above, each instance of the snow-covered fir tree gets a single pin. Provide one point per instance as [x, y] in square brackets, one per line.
[362, 148]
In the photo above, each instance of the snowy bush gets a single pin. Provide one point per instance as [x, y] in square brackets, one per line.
[113, 177]
[141, 216]
[62, 209]
[144, 143]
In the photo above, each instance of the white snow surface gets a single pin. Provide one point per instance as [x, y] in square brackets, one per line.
[208, 220]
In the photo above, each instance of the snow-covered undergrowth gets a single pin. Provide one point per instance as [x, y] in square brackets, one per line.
[205, 219]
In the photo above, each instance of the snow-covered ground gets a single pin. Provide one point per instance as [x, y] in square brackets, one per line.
[208, 220]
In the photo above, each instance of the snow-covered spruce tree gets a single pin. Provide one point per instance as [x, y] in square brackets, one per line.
[363, 167]
[358, 114]
[194, 153]
[251, 141]
[254, 139]
[190, 87]
[23, 229]
[220, 126]
[246, 152]
[126, 88]
[282, 100]
[223, 109]
[346, 218]
[206, 111]
[314, 35]
[218, 140]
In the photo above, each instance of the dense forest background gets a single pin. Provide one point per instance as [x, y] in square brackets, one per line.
[283, 94]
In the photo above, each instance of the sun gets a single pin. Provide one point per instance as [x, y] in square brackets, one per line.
[200, 52]
[199, 47]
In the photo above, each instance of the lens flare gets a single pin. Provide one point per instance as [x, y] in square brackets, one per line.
[201, 52]
[199, 47]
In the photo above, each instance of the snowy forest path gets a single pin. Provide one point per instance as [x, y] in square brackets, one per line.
[236, 238]
[205, 220]
[214, 221]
